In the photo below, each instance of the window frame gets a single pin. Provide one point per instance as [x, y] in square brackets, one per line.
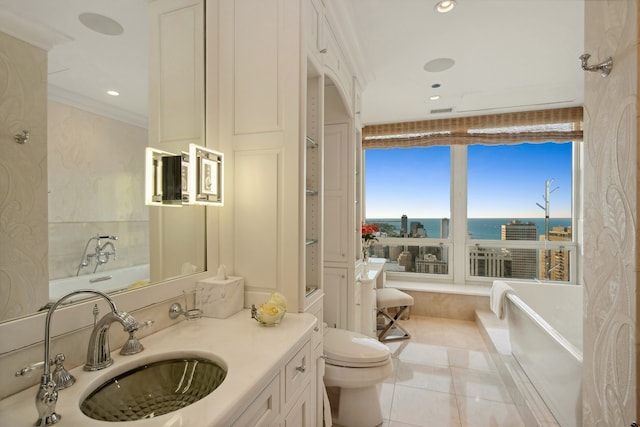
[457, 242]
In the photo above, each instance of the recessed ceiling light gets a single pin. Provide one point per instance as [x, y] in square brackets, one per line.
[434, 97]
[113, 92]
[439, 64]
[445, 6]
[435, 85]
[101, 24]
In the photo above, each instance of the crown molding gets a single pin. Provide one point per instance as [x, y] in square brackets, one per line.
[36, 34]
[88, 104]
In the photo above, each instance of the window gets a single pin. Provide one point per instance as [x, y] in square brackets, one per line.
[472, 212]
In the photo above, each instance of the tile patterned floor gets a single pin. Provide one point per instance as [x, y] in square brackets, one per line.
[444, 376]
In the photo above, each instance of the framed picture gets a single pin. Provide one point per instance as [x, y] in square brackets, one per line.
[206, 176]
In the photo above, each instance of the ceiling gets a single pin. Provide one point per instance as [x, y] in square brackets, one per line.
[509, 55]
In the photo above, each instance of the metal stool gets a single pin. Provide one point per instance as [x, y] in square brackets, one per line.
[387, 298]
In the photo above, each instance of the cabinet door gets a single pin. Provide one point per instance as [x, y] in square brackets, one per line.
[264, 410]
[300, 413]
[335, 297]
[336, 195]
[176, 78]
[314, 22]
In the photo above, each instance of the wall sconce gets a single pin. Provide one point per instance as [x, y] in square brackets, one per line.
[205, 176]
[193, 178]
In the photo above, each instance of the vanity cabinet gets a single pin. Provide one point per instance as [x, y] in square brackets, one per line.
[286, 400]
[264, 410]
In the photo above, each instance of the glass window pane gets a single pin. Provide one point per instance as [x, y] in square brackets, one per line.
[518, 263]
[413, 258]
[408, 190]
[512, 189]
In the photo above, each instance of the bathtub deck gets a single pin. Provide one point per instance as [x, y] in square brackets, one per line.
[532, 408]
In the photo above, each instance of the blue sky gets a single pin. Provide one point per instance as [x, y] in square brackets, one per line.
[504, 181]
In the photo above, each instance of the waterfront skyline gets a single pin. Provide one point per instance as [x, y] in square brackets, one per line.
[504, 181]
[477, 228]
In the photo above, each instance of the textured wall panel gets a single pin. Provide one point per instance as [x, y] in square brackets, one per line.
[610, 226]
[24, 285]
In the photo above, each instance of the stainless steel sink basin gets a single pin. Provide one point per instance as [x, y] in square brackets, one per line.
[154, 389]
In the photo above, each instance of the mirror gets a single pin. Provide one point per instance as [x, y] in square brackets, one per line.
[80, 174]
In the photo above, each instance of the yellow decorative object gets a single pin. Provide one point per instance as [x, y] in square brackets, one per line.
[272, 311]
[138, 284]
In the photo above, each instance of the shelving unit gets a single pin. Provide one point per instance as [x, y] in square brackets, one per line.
[313, 181]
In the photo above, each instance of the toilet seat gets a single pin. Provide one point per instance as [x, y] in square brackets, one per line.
[353, 350]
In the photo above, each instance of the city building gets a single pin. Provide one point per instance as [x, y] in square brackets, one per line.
[554, 264]
[524, 262]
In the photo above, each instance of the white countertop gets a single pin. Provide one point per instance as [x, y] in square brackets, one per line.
[251, 353]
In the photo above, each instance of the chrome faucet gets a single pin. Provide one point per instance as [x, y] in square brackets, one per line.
[100, 254]
[98, 353]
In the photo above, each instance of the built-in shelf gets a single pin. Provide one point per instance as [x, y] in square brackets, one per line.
[311, 142]
[311, 242]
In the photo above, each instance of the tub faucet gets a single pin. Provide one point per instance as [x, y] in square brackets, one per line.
[100, 254]
[98, 356]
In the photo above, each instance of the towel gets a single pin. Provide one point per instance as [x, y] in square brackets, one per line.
[499, 292]
[328, 421]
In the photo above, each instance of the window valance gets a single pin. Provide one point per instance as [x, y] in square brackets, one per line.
[557, 125]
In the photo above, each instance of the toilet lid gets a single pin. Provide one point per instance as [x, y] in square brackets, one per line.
[348, 348]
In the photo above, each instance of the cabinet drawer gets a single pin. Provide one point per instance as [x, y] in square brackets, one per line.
[297, 372]
[265, 408]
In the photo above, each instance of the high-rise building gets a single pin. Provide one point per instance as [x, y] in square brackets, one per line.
[417, 230]
[444, 228]
[524, 262]
[557, 266]
[489, 262]
[429, 263]
[403, 226]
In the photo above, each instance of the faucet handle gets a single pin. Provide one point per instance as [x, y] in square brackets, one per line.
[61, 376]
[132, 346]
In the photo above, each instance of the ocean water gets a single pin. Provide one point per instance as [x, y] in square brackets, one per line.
[479, 228]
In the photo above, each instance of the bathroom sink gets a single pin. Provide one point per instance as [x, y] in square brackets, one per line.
[154, 389]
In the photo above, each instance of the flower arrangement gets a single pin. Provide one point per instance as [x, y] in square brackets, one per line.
[272, 311]
[368, 237]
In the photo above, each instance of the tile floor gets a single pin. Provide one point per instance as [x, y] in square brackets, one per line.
[444, 376]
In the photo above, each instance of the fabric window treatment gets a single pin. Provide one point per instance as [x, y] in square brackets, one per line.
[557, 125]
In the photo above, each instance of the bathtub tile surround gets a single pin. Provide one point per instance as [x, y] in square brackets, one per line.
[96, 185]
[530, 405]
[444, 300]
[445, 376]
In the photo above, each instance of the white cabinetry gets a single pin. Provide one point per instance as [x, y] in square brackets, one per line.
[336, 200]
[287, 399]
[265, 409]
[335, 296]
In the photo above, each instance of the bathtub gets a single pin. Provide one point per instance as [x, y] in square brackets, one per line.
[105, 281]
[545, 332]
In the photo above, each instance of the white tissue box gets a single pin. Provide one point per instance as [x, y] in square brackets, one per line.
[220, 298]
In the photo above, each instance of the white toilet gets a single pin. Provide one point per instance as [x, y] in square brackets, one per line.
[354, 365]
